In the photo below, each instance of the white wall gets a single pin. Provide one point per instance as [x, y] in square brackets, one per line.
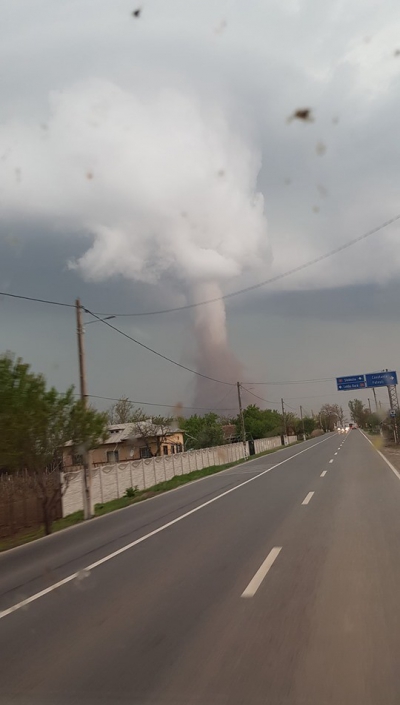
[110, 481]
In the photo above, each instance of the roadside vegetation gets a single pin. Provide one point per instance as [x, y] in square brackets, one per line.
[36, 422]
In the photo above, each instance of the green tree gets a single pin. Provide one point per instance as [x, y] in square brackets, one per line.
[260, 422]
[358, 412]
[293, 424]
[36, 424]
[202, 431]
[373, 422]
[309, 425]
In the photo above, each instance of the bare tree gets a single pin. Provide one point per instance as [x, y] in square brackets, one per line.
[153, 432]
[331, 415]
[121, 412]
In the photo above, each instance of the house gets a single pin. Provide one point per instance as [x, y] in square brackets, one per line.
[131, 441]
[230, 433]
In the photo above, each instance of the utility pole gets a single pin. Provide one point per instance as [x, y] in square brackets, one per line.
[242, 426]
[302, 423]
[376, 403]
[394, 408]
[284, 421]
[369, 404]
[87, 458]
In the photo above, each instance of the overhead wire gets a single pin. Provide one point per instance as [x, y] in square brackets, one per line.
[295, 381]
[155, 352]
[33, 298]
[268, 401]
[96, 316]
[148, 403]
[218, 407]
[293, 270]
[244, 290]
[271, 280]
[290, 407]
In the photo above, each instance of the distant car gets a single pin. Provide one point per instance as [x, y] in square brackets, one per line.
[347, 428]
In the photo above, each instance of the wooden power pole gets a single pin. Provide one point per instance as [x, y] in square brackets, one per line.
[87, 458]
[284, 421]
[302, 423]
[242, 426]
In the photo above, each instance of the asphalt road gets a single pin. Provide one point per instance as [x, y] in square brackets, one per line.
[273, 583]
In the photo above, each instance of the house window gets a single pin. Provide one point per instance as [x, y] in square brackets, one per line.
[145, 453]
[77, 459]
[172, 448]
[179, 447]
[165, 450]
[112, 456]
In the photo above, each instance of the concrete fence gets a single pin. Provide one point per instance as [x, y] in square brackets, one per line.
[263, 444]
[111, 480]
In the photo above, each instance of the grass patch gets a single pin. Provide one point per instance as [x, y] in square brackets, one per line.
[29, 535]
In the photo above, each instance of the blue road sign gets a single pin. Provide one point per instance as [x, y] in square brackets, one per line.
[350, 378]
[381, 379]
[351, 385]
[350, 382]
[374, 379]
[392, 413]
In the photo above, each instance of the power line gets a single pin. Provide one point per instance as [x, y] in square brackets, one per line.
[296, 381]
[318, 396]
[290, 407]
[155, 352]
[245, 290]
[32, 298]
[219, 408]
[282, 382]
[268, 401]
[271, 280]
[96, 316]
[148, 403]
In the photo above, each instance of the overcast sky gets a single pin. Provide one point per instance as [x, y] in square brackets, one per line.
[141, 157]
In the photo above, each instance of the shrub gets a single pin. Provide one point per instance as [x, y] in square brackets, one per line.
[131, 491]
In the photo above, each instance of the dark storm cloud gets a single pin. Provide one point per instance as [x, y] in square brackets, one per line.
[350, 303]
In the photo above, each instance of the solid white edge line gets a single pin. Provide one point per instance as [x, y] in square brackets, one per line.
[323, 473]
[257, 579]
[128, 546]
[307, 498]
[393, 469]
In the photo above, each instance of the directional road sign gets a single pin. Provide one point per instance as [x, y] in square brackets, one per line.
[350, 382]
[381, 379]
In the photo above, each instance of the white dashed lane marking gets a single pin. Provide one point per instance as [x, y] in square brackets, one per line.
[307, 498]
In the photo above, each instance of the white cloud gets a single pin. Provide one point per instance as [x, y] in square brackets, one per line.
[161, 183]
[265, 63]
